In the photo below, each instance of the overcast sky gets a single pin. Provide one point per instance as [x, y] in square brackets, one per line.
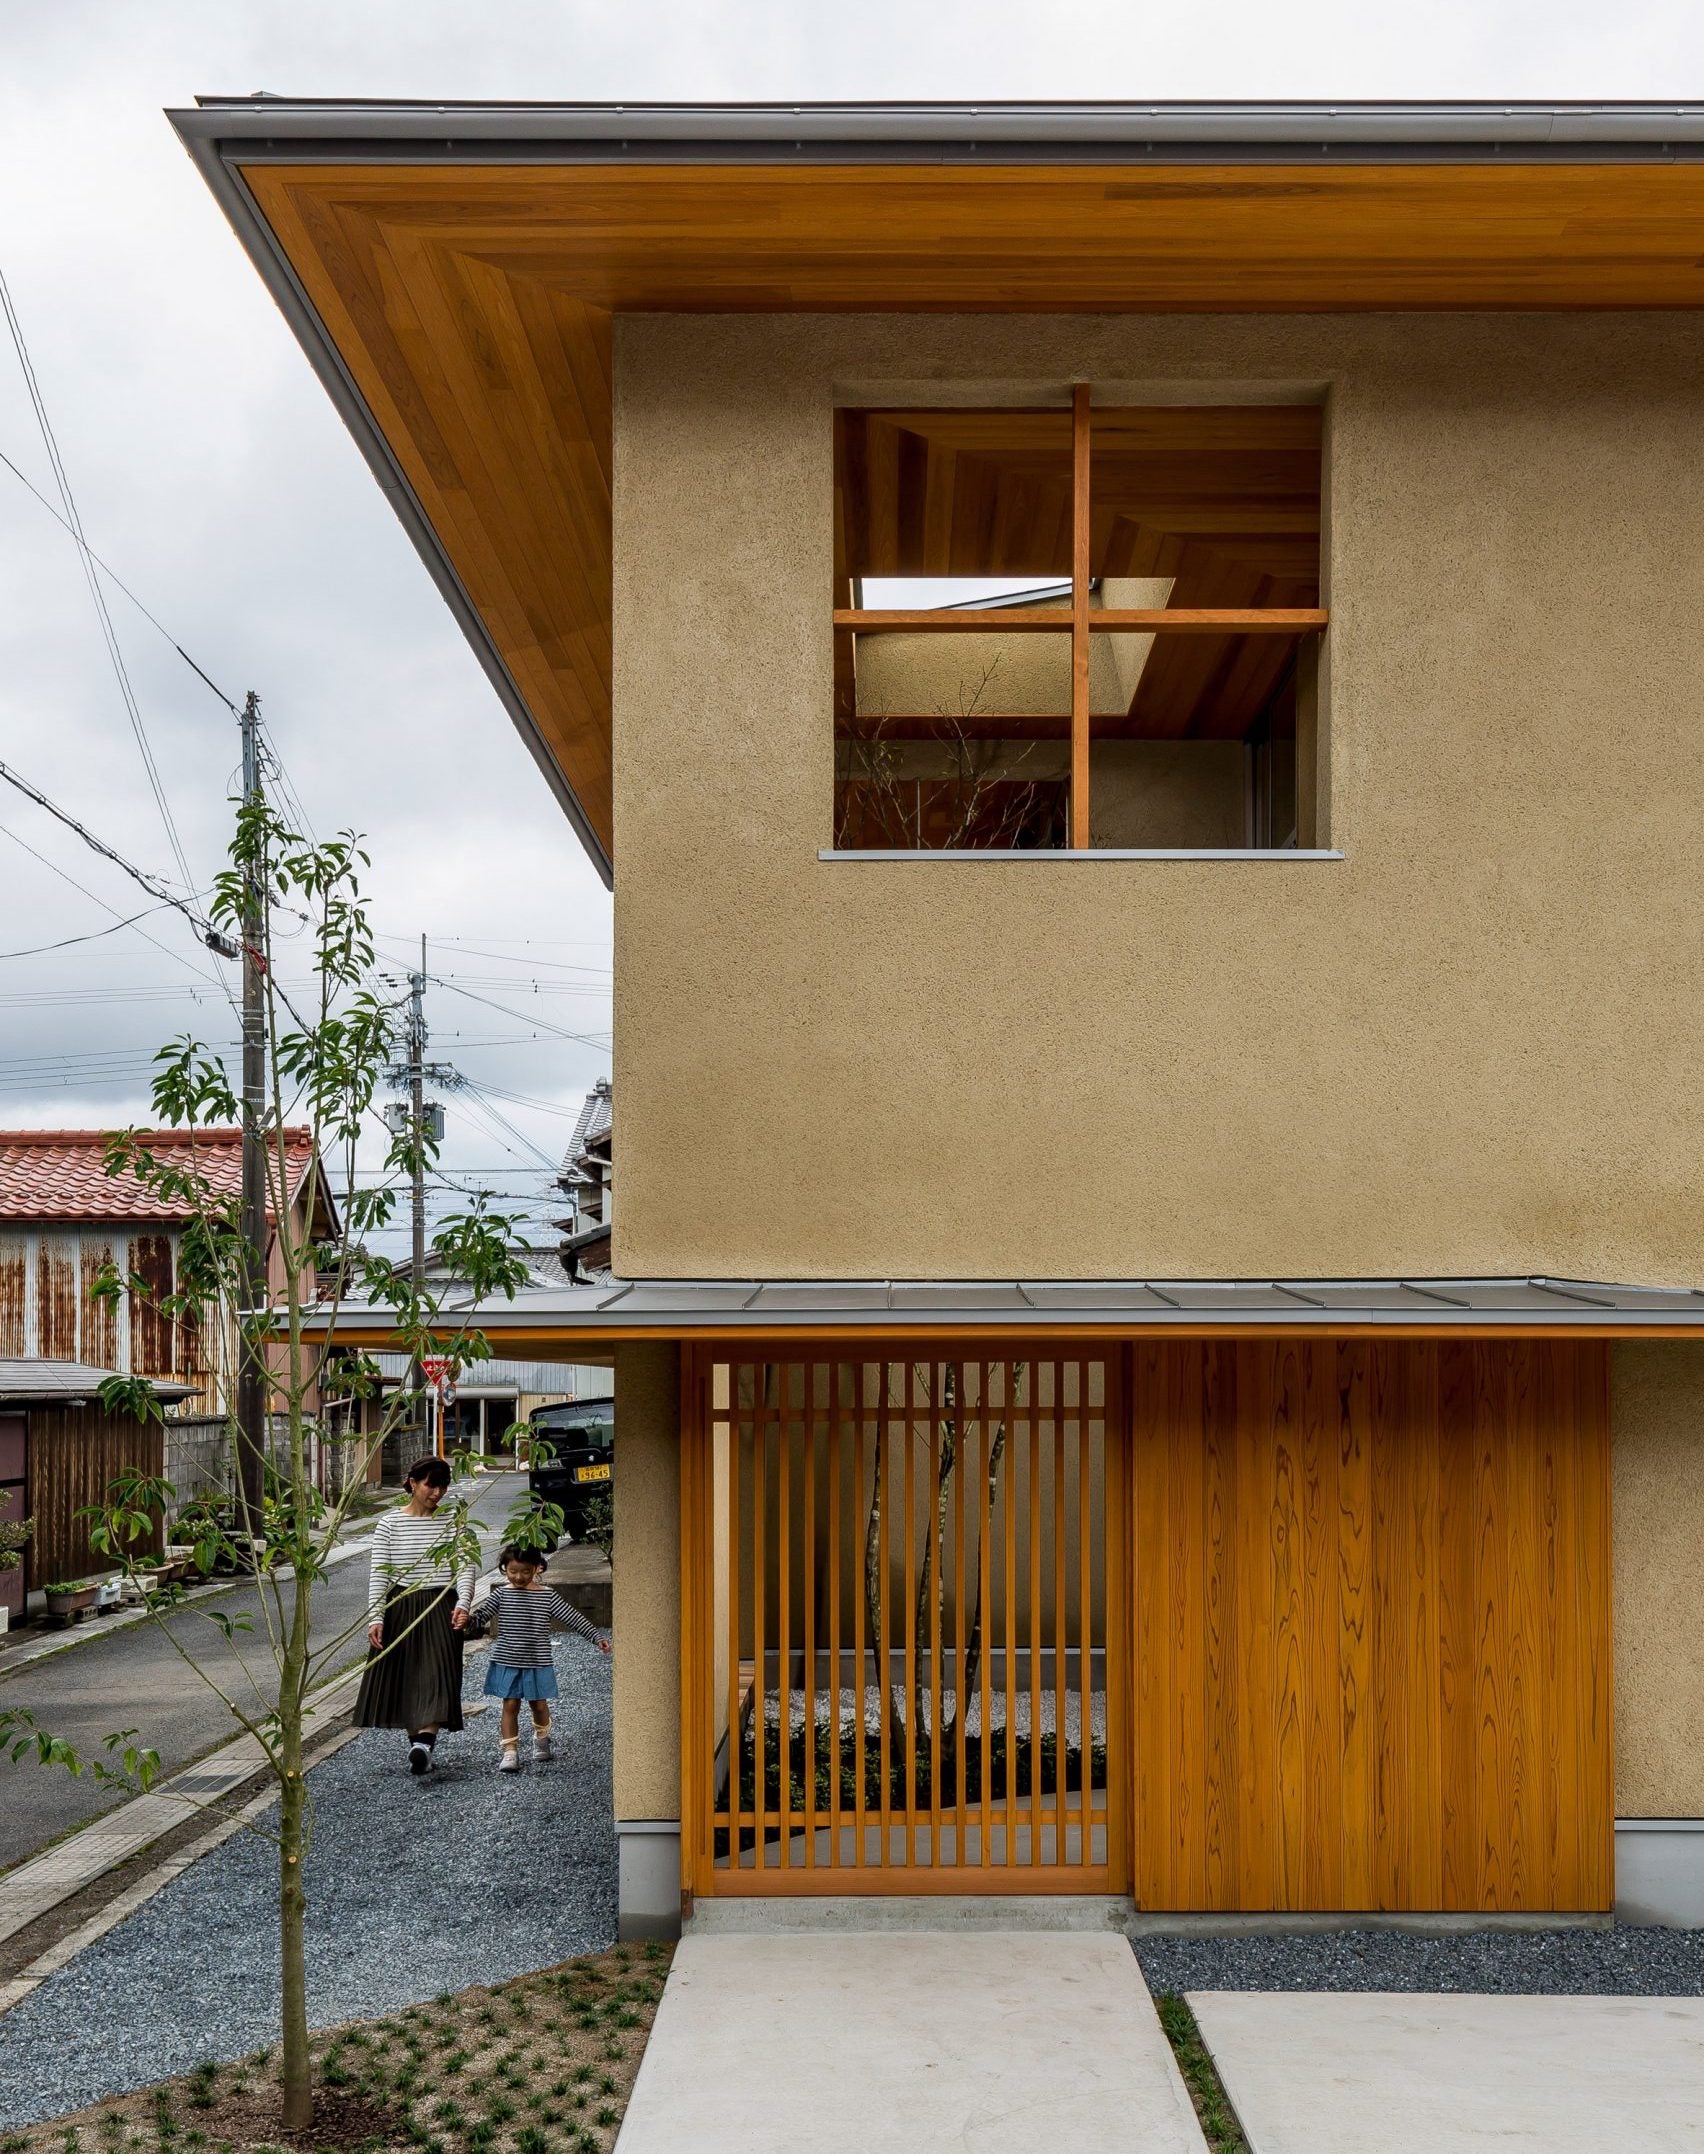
[212, 473]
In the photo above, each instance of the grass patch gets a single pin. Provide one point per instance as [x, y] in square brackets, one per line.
[454, 2077]
[1218, 2119]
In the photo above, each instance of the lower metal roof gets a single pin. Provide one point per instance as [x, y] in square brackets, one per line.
[665, 1308]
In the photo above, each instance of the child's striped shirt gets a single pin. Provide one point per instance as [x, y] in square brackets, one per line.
[519, 1623]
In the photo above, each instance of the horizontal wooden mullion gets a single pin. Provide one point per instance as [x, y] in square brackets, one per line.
[1056, 620]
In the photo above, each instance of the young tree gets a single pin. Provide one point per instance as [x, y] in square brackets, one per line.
[324, 1064]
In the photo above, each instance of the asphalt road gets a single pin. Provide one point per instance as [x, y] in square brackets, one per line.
[135, 1678]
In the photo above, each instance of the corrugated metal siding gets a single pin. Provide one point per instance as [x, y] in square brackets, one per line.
[101, 1345]
[75, 1453]
[56, 1297]
[14, 1296]
[153, 1348]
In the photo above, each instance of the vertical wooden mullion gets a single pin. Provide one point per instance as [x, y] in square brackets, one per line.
[985, 1568]
[692, 1524]
[886, 1433]
[833, 1463]
[1057, 1479]
[937, 1556]
[784, 1604]
[1085, 1643]
[1009, 1524]
[1032, 1499]
[733, 1636]
[808, 1643]
[1079, 621]
[759, 1619]
[909, 1574]
[961, 1704]
[860, 1385]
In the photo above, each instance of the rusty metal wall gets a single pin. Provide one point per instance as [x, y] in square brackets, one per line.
[75, 1452]
[49, 1308]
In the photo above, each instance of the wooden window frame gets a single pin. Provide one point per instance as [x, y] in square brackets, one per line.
[1079, 622]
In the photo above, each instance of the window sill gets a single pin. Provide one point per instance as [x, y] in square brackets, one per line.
[1097, 853]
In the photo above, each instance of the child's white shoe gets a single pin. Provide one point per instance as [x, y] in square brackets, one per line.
[510, 1761]
[542, 1749]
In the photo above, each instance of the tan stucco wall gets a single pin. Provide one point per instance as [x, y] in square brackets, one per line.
[1468, 1046]
[1657, 1426]
[647, 1582]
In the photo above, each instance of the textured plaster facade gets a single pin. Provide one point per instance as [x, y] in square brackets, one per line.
[647, 1582]
[1468, 1045]
[1657, 1424]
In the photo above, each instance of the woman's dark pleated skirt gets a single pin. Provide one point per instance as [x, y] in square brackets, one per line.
[415, 1679]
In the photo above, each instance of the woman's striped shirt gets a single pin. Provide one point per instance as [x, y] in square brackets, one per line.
[403, 1560]
[519, 1623]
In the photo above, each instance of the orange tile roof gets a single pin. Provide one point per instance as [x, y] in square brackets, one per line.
[60, 1174]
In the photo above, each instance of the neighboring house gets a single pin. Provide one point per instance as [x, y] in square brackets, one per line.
[1143, 665]
[60, 1451]
[64, 1219]
[588, 1181]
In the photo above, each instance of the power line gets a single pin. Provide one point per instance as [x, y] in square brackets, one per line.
[118, 583]
[68, 502]
[40, 949]
[583, 1039]
[177, 957]
[152, 884]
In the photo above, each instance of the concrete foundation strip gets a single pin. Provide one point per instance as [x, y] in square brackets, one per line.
[39, 1885]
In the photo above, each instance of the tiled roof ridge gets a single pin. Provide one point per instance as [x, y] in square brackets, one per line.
[295, 1134]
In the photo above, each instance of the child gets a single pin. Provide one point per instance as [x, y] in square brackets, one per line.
[518, 1617]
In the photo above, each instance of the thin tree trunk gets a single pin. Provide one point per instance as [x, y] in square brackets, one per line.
[297, 2070]
[973, 1640]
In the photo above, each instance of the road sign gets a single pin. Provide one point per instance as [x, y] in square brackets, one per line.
[435, 1367]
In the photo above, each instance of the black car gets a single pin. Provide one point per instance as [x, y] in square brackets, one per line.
[580, 1437]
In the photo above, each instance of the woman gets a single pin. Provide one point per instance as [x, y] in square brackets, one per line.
[417, 1610]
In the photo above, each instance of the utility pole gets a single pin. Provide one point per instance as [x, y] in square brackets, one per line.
[417, 1106]
[251, 1363]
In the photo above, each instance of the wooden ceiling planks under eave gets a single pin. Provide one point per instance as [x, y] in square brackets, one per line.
[470, 304]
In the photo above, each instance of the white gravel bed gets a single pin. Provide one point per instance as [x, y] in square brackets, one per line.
[1523, 1963]
[415, 1887]
[973, 1715]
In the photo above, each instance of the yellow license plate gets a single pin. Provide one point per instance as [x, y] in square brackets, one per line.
[591, 1473]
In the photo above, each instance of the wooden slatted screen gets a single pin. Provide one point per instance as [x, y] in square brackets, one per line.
[897, 1673]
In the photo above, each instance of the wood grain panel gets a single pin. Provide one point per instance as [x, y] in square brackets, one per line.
[1371, 1648]
[471, 307]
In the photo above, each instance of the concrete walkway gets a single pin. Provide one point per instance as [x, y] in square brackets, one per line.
[908, 2043]
[1416, 2074]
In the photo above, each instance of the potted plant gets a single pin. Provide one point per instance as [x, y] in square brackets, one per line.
[109, 1594]
[67, 1598]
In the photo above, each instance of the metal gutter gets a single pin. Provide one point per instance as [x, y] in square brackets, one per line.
[1341, 131]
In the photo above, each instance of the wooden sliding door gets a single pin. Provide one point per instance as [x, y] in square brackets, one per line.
[1372, 1626]
[904, 1596]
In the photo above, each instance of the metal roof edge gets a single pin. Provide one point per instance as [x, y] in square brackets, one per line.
[1314, 129]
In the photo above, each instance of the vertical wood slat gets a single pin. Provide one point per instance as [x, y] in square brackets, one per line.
[860, 1386]
[1057, 1478]
[1079, 617]
[1085, 1640]
[938, 1588]
[888, 1432]
[784, 1609]
[1009, 1679]
[916, 1386]
[966, 1461]
[985, 1576]
[808, 1612]
[1032, 1498]
[833, 1467]
[759, 1622]
[735, 1573]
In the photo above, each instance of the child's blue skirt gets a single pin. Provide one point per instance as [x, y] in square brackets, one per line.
[533, 1683]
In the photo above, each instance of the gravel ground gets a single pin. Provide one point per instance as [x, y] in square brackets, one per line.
[1526, 1963]
[415, 1887]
